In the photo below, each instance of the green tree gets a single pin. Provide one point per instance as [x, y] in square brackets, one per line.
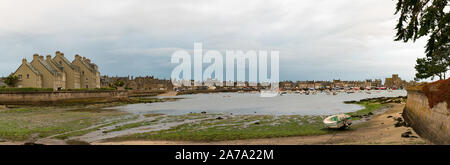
[119, 83]
[431, 18]
[11, 80]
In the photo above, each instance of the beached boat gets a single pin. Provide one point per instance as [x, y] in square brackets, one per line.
[338, 121]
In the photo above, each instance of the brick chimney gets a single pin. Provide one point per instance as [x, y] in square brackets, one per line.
[41, 57]
[24, 61]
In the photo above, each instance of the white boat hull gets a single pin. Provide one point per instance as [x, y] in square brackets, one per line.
[338, 121]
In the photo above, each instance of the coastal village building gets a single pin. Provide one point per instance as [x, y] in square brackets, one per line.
[395, 82]
[58, 73]
[138, 83]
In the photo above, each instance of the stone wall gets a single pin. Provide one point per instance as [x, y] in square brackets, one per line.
[432, 124]
[61, 97]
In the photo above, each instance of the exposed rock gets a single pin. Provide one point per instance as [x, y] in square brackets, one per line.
[399, 124]
[406, 134]
[357, 116]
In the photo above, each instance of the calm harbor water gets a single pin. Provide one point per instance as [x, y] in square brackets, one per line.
[252, 103]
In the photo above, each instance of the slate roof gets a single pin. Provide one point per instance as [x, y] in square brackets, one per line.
[32, 68]
[64, 59]
[48, 66]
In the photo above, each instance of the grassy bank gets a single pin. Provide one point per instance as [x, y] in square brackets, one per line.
[27, 123]
[22, 123]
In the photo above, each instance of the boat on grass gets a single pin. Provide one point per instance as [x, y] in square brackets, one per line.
[338, 121]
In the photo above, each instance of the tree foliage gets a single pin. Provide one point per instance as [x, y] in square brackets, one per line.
[119, 83]
[11, 80]
[419, 18]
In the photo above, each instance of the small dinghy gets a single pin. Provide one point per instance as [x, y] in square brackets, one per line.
[338, 121]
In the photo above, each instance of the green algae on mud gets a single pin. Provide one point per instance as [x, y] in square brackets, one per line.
[219, 127]
[235, 127]
[27, 123]
[23, 123]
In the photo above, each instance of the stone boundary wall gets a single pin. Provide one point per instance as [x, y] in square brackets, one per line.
[432, 124]
[145, 93]
[61, 97]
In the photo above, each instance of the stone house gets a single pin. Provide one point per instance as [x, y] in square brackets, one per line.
[89, 75]
[58, 73]
[72, 81]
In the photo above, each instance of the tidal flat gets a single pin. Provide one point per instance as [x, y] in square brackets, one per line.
[96, 123]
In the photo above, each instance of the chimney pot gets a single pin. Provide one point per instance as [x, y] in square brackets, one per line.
[49, 57]
[41, 57]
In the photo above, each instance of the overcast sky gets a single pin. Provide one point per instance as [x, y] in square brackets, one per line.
[317, 39]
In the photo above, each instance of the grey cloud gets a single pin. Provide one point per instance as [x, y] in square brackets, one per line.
[348, 39]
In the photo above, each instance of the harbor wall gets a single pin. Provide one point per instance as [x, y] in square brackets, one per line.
[433, 123]
[61, 97]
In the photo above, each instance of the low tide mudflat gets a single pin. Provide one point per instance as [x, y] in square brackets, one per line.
[92, 124]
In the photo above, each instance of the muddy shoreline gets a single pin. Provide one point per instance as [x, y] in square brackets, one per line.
[165, 129]
[381, 129]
